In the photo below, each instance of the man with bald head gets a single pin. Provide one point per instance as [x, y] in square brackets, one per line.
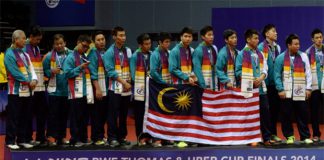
[22, 80]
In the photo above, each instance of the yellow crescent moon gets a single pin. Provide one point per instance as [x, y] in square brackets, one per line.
[161, 93]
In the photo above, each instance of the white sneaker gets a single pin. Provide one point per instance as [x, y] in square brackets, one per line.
[26, 145]
[13, 146]
[34, 143]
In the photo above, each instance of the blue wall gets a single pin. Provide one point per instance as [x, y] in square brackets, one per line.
[299, 20]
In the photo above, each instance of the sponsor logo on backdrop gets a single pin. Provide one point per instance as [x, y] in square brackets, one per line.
[52, 3]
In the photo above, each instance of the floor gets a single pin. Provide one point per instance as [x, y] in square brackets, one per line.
[131, 135]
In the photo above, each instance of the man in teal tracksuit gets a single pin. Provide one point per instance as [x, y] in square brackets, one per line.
[159, 65]
[140, 56]
[22, 80]
[180, 59]
[316, 57]
[98, 78]
[259, 74]
[116, 61]
[271, 50]
[77, 72]
[58, 91]
[289, 93]
[225, 66]
[204, 60]
[180, 63]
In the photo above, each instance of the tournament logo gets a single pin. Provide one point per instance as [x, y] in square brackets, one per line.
[52, 3]
[140, 91]
[299, 90]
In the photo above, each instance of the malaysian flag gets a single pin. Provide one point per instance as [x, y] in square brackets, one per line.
[186, 113]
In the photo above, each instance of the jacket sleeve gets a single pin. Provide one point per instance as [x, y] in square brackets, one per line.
[173, 65]
[197, 59]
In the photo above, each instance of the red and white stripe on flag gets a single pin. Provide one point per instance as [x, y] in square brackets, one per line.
[228, 119]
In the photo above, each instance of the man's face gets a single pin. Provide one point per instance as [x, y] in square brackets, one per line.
[294, 46]
[186, 39]
[21, 41]
[317, 39]
[120, 37]
[59, 45]
[100, 41]
[146, 46]
[272, 34]
[253, 41]
[208, 37]
[232, 40]
[83, 47]
[35, 40]
[165, 44]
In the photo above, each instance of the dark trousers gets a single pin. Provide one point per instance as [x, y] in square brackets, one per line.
[274, 107]
[57, 117]
[3, 86]
[98, 118]
[39, 108]
[316, 101]
[18, 111]
[117, 116]
[265, 118]
[79, 118]
[290, 107]
[139, 111]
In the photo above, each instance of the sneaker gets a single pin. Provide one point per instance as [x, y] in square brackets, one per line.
[88, 142]
[308, 141]
[13, 146]
[167, 143]
[43, 144]
[78, 144]
[26, 145]
[290, 140]
[269, 142]
[35, 143]
[99, 143]
[275, 138]
[114, 143]
[316, 139]
[124, 142]
[182, 144]
[157, 143]
[65, 142]
[142, 142]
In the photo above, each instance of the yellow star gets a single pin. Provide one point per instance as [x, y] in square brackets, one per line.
[183, 100]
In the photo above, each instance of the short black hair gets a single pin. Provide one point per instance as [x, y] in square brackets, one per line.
[142, 37]
[266, 28]
[228, 32]
[84, 38]
[316, 31]
[205, 29]
[35, 31]
[164, 36]
[57, 37]
[187, 30]
[249, 33]
[97, 33]
[116, 30]
[290, 38]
